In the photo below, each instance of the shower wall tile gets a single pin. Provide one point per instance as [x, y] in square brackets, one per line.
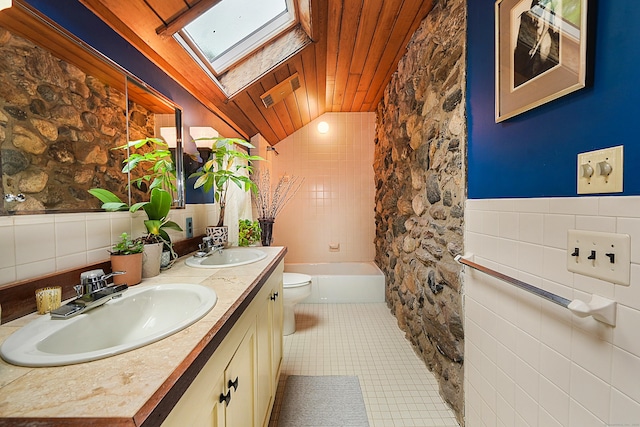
[37, 245]
[7, 275]
[68, 262]
[624, 363]
[34, 239]
[98, 231]
[624, 410]
[631, 226]
[554, 401]
[70, 238]
[7, 248]
[335, 204]
[630, 294]
[551, 368]
[531, 226]
[35, 269]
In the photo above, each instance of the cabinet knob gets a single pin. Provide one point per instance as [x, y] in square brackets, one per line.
[226, 398]
[233, 384]
[274, 296]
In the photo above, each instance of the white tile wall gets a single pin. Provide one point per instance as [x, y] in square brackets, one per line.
[36, 245]
[529, 362]
[335, 204]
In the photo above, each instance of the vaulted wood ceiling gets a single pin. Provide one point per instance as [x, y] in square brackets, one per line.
[356, 48]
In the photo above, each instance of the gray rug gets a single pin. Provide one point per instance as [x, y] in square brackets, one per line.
[322, 401]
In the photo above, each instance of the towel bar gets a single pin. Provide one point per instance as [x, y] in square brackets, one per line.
[602, 309]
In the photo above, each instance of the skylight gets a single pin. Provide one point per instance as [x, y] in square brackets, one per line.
[232, 29]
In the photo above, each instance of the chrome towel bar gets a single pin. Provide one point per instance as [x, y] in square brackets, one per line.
[602, 309]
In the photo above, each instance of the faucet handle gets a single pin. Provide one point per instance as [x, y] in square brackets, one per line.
[110, 275]
[91, 276]
[79, 290]
[91, 280]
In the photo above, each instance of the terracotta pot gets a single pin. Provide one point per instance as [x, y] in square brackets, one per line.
[151, 260]
[131, 264]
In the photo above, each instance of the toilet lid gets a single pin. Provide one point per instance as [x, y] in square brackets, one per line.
[295, 279]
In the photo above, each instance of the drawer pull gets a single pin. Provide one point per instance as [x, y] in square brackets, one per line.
[274, 296]
[225, 397]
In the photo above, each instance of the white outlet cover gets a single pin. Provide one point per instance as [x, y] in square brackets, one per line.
[600, 244]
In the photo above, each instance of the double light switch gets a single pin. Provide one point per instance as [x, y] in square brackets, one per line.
[600, 171]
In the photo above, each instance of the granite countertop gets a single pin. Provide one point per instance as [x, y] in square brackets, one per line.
[128, 388]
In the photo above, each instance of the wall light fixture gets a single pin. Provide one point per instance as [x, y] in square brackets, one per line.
[323, 127]
[203, 132]
[169, 135]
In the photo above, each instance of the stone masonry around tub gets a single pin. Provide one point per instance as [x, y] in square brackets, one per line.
[420, 189]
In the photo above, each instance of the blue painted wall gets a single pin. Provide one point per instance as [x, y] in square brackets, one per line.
[535, 154]
[81, 22]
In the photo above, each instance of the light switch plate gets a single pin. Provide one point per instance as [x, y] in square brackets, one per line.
[598, 182]
[605, 256]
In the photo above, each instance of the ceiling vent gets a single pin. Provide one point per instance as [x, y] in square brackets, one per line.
[280, 91]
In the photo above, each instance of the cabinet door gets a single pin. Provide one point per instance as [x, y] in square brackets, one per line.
[264, 385]
[239, 378]
[200, 405]
[277, 315]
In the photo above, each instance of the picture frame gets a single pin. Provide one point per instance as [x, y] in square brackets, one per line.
[541, 52]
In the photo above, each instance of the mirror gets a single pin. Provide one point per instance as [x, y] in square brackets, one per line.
[63, 110]
[149, 114]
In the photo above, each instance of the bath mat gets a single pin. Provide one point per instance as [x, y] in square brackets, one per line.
[322, 401]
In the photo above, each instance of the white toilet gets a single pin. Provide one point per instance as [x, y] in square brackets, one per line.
[296, 287]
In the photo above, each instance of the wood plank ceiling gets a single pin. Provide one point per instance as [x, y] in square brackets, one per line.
[356, 48]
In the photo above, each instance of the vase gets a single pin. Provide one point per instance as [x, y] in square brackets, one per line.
[266, 226]
[219, 235]
[151, 260]
[131, 265]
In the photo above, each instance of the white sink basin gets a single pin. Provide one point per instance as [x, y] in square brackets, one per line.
[144, 314]
[231, 257]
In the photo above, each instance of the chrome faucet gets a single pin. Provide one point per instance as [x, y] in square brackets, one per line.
[207, 247]
[94, 280]
[92, 292]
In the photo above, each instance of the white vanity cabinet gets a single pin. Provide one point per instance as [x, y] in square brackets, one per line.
[237, 386]
[269, 348]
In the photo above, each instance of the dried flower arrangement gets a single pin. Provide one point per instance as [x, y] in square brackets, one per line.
[270, 203]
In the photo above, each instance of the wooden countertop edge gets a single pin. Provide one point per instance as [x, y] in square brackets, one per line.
[158, 407]
[67, 422]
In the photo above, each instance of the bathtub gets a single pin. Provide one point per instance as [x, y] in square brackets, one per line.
[342, 282]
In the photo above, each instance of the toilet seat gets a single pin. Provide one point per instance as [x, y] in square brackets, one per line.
[294, 280]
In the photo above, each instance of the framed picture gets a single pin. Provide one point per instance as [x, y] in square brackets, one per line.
[541, 48]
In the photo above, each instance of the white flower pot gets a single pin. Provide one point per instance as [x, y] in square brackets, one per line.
[151, 260]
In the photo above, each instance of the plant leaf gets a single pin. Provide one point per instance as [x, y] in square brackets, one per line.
[153, 226]
[105, 196]
[172, 225]
[159, 205]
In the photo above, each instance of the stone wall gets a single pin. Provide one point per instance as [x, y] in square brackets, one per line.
[57, 128]
[420, 190]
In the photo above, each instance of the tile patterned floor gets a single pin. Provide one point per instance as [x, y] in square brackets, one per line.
[364, 340]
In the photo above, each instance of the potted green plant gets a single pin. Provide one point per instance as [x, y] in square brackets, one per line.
[159, 174]
[248, 232]
[160, 171]
[157, 224]
[126, 255]
[225, 165]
